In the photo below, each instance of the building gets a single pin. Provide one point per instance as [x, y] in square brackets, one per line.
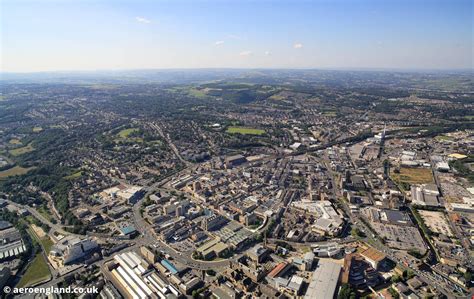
[258, 253]
[212, 249]
[425, 195]
[291, 285]
[225, 292]
[129, 194]
[327, 250]
[373, 257]
[169, 266]
[213, 222]
[324, 280]
[132, 276]
[129, 231]
[11, 244]
[442, 166]
[279, 270]
[148, 255]
[308, 260]
[72, 249]
[235, 160]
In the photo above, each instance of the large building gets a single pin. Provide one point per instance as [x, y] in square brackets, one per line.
[11, 244]
[213, 222]
[129, 194]
[324, 281]
[134, 279]
[258, 253]
[425, 195]
[71, 249]
[234, 161]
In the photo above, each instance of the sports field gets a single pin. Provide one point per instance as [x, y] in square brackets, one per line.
[245, 131]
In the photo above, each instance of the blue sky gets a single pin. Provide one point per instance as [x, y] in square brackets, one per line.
[94, 35]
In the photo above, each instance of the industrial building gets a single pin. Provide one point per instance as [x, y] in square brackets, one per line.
[324, 281]
[134, 278]
[425, 195]
[11, 244]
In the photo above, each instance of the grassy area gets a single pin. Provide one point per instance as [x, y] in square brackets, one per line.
[47, 244]
[125, 133]
[17, 170]
[22, 150]
[37, 129]
[245, 131]
[278, 97]
[45, 241]
[74, 175]
[45, 213]
[14, 141]
[330, 113]
[411, 176]
[37, 271]
[198, 93]
[443, 138]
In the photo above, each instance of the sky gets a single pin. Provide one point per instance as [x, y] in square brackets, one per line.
[64, 35]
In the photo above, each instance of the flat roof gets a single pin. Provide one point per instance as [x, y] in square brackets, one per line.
[324, 281]
[168, 265]
[373, 254]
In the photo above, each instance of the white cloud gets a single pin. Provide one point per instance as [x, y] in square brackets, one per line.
[245, 53]
[267, 53]
[218, 43]
[143, 20]
[298, 46]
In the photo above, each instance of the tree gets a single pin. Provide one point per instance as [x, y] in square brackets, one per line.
[346, 292]
[356, 232]
[396, 278]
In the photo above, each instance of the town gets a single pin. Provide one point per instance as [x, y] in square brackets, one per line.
[289, 184]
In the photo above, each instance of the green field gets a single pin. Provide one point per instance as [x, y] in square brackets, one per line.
[47, 244]
[37, 271]
[245, 131]
[330, 113]
[14, 141]
[125, 133]
[74, 175]
[17, 170]
[21, 150]
[198, 93]
[443, 138]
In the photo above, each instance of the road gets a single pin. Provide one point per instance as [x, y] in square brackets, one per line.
[55, 227]
[167, 138]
